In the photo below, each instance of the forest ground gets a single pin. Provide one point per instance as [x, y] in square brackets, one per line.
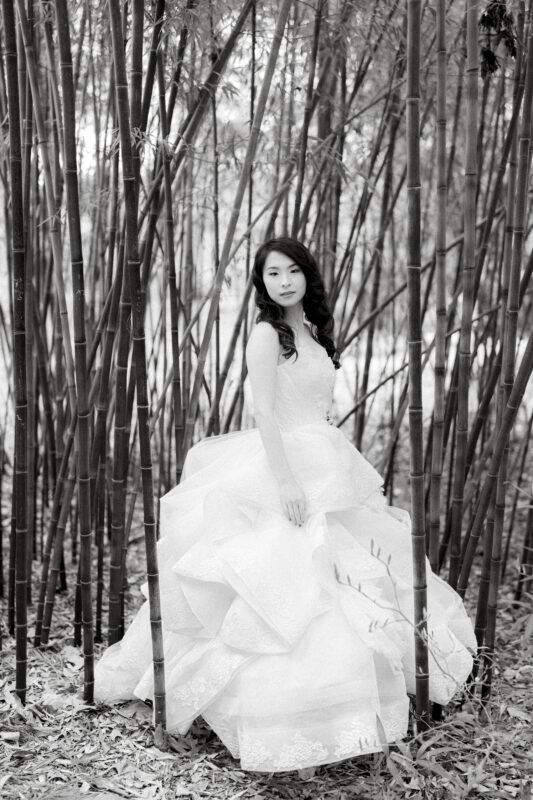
[57, 747]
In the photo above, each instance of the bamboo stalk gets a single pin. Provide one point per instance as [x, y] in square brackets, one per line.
[182, 46]
[32, 400]
[78, 290]
[216, 240]
[70, 486]
[418, 535]
[471, 181]
[302, 150]
[171, 273]
[20, 471]
[132, 247]
[440, 295]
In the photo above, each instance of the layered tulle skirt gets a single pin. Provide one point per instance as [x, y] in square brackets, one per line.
[295, 644]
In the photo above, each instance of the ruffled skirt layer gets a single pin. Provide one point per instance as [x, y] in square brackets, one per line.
[296, 645]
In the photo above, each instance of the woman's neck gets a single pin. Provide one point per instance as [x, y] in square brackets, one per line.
[295, 318]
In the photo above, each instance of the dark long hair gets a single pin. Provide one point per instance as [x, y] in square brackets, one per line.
[315, 302]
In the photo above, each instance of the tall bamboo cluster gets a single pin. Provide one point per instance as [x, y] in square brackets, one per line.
[154, 145]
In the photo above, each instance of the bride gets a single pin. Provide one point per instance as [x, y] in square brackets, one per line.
[286, 579]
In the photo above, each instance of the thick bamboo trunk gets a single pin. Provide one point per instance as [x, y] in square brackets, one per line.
[415, 362]
[171, 272]
[471, 181]
[20, 471]
[56, 559]
[440, 295]
[132, 247]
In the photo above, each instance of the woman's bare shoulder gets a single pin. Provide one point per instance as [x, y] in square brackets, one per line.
[263, 340]
[264, 330]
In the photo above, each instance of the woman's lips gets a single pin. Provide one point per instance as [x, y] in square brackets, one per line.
[286, 294]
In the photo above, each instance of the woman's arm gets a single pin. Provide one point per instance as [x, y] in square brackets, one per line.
[262, 353]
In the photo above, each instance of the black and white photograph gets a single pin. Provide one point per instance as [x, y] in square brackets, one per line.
[266, 408]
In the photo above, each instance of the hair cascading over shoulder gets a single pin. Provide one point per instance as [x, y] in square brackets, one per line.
[315, 302]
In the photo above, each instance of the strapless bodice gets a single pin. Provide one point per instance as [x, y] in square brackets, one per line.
[304, 387]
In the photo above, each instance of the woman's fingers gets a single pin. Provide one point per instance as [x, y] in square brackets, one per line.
[295, 512]
[290, 512]
[293, 502]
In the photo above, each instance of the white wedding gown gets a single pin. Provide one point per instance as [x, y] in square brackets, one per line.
[295, 644]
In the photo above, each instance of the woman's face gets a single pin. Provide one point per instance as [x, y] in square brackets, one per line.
[284, 280]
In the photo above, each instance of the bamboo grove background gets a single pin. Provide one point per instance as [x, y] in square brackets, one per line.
[147, 149]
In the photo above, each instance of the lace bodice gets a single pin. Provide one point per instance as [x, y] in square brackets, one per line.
[304, 388]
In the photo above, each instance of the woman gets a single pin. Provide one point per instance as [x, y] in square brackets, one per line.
[286, 581]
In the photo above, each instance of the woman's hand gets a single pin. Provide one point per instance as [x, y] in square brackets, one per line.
[293, 501]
